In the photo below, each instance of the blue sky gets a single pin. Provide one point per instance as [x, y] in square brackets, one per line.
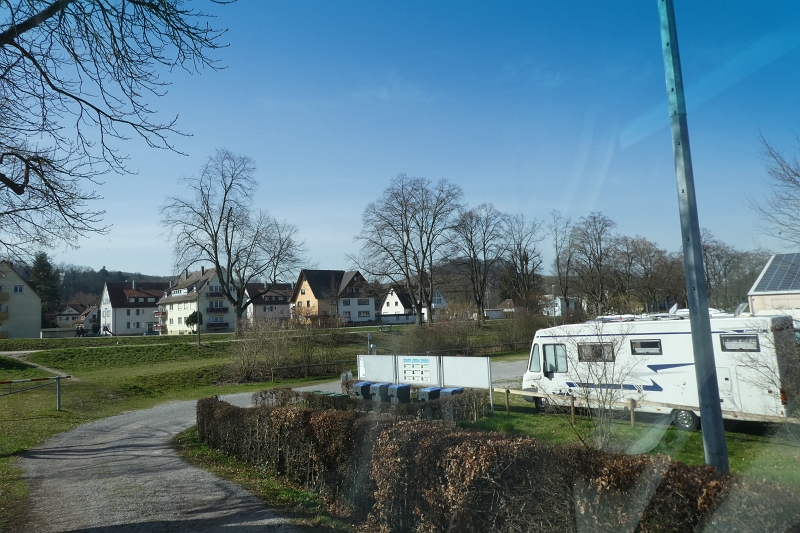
[532, 106]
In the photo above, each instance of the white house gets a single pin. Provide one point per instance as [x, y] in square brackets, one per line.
[129, 307]
[20, 306]
[272, 306]
[561, 307]
[181, 299]
[398, 308]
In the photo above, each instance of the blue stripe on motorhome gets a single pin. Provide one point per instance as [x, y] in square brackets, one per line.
[654, 387]
[656, 368]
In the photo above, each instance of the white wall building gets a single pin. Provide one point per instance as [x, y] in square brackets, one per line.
[129, 307]
[20, 306]
[181, 300]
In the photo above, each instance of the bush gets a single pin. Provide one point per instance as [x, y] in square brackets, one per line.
[266, 345]
[442, 335]
[428, 477]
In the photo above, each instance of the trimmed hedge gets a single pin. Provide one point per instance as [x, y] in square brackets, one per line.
[423, 476]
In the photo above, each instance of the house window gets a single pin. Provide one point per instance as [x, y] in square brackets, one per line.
[17, 289]
[265, 308]
[302, 291]
[363, 314]
[388, 304]
[281, 311]
[299, 304]
[363, 301]
[180, 320]
[282, 298]
[131, 300]
[170, 321]
[345, 302]
[128, 312]
[141, 300]
[1, 288]
[216, 304]
[151, 299]
[128, 325]
[395, 304]
[308, 303]
[346, 314]
[137, 312]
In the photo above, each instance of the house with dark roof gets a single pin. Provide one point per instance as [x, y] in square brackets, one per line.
[322, 296]
[20, 306]
[398, 307]
[272, 305]
[778, 285]
[129, 307]
[181, 299]
[76, 314]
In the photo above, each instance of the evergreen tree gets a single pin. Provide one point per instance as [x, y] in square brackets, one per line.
[45, 276]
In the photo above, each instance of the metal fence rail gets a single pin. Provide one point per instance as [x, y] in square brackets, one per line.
[50, 381]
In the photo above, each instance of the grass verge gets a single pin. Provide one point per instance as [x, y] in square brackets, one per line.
[757, 452]
[306, 508]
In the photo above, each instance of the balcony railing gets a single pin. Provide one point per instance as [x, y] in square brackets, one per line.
[214, 294]
[160, 314]
[217, 325]
[3, 296]
[3, 315]
[160, 328]
[217, 310]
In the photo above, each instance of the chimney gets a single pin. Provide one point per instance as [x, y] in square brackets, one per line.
[133, 284]
[170, 285]
[202, 270]
[186, 273]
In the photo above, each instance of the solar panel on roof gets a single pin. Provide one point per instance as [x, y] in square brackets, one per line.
[783, 274]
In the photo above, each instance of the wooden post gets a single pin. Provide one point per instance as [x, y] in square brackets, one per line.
[508, 407]
[632, 407]
[572, 408]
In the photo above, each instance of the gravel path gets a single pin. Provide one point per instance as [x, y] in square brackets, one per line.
[121, 475]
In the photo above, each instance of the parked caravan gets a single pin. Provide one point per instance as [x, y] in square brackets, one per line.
[651, 360]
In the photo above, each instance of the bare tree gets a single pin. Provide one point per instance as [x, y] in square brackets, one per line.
[779, 210]
[563, 248]
[523, 260]
[403, 232]
[218, 224]
[477, 243]
[593, 258]
[75, 79]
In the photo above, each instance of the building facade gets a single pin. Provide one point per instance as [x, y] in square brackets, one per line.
[272, 306]
[129, 307]
[20, 306]
[325, 296]
[195, 290]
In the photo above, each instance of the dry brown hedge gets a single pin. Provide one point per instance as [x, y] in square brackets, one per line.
[421, 476]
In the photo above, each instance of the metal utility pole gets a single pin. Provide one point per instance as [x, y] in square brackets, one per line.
[714, 445]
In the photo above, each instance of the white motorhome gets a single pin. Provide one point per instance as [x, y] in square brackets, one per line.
[651, 360]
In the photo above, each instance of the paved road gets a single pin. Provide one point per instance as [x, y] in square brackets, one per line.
[121, 475]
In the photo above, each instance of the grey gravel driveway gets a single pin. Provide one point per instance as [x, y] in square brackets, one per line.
[121, 475]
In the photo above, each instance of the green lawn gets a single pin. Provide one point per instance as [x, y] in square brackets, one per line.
[20, 345]
[756, 451]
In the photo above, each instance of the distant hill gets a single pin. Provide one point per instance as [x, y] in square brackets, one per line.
[85, 284]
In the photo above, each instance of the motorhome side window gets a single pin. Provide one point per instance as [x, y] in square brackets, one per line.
[555, 358]
[536, 365]
[646, 347]
[595, 352]
[739, 343]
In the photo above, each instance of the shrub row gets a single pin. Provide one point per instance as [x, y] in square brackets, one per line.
[428, 477]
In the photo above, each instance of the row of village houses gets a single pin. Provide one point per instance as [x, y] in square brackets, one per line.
[318, 296]
[136, 307]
